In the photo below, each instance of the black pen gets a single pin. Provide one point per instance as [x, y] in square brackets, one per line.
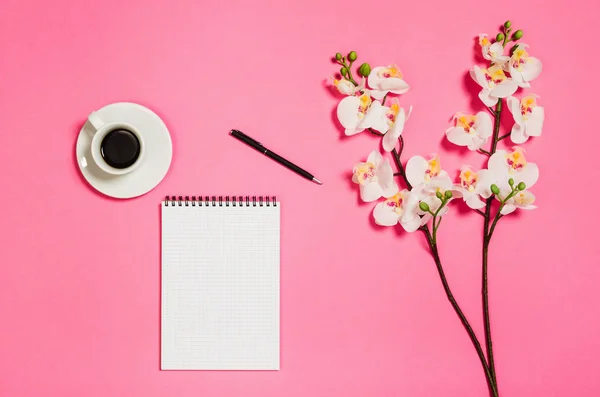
[258, 146]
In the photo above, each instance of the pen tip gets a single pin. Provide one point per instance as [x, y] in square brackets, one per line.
[318, 182]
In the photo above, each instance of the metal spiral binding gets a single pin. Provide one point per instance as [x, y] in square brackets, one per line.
[220, 201]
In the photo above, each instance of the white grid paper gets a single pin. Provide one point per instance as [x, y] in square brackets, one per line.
[220, 287]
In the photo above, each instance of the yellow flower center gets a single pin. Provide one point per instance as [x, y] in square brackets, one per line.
[364, 172]
[396, 202]
[484, 41]
[516, 159]
[519, 58]
[527, 105]
[494, 75]
[391, 71]
[365, 103]
[466, 122]
[434, 169]
[468, 179]
[524, 198]
[392, 114]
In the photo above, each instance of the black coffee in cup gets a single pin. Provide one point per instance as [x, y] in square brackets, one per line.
[120, 148]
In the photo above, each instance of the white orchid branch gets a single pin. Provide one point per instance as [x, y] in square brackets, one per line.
[429, 190]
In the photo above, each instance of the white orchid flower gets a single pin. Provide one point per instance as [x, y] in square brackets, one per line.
[505, 165]
[472, 131]
[346, 87]
[473, 185]
[523, 200]
[522, 67]
[401, 208]
[428, 174]
[375, 177]
[357, 113]
[492, 52]
[494, 83]
[529, 118]
[428, 178]
[385, 79]
[391, 124]
[428, 194]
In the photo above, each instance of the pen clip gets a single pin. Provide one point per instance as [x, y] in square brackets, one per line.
[244, 137]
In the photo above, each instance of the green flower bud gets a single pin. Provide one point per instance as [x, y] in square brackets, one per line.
[448, 194]
[352, 56]
[494, 188]
[521, 186]
[500, 37]
[364, 69]
[517, 35]
[438, 194]
[507, 24]
[343, 71]
[423, 206]
[511, 181]
[338, 56]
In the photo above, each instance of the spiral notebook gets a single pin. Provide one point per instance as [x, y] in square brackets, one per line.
[220, 283]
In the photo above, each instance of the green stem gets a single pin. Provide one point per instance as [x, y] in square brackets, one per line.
[436, 257]
[350, 74]
[348, 67]
[504, 136]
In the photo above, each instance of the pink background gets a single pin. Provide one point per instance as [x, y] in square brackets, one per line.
[363, 311]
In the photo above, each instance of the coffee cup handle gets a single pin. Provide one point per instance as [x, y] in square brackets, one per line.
[93, 123]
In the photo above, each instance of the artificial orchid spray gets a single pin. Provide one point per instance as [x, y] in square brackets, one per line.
[372, 105]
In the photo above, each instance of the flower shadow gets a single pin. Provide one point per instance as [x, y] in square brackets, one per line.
[450, 147]
[396, 229]
[353, 187]
[472, 89]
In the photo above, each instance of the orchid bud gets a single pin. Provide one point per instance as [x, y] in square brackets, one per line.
[521, 186]
[343, 71]
[517, 35]
[352, 56]
[494, 188]
[338, 56]
[511, 181]
[438, 194]
[507, 24]
[364, 69]
[500, 37]
[423, 206]
[448, 194]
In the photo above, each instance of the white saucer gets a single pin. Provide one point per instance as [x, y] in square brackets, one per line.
[157, 157]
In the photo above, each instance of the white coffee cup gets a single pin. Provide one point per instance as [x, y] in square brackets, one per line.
[99, 129]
